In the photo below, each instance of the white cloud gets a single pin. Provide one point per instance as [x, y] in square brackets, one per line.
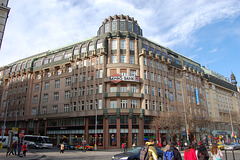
[214, 50]
[36, 26]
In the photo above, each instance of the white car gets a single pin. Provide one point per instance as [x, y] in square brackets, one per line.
[232, 146]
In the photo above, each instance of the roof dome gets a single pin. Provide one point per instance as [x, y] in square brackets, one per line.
[119, 23]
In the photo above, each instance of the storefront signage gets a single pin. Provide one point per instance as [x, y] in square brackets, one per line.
[116, 78]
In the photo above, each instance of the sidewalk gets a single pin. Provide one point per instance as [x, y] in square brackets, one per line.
[29, 156]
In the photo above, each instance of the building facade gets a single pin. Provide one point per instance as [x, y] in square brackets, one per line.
[223, 105]
[108, 88]
[4, 11]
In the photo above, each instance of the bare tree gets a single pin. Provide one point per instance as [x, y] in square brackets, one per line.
[172, 122]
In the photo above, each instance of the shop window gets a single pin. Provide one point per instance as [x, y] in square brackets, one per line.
[113, 139]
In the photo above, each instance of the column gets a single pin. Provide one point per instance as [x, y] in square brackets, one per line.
[129, 133]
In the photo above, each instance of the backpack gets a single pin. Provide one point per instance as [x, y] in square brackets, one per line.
[144, 153]
[168, 155]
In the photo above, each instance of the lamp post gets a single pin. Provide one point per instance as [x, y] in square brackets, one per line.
[230, 118]
[185, 114]
[4, 125]
[95, 146]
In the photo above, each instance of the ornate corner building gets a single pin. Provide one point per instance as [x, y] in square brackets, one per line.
[110, 86]
[4, 11]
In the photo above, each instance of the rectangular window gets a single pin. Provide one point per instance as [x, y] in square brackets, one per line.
[154, 107]
[146, 104]
[132, 73]
[36, 87]
[46, 86]
[179, 98]
[144, 61]
[170, 83]
[171, 96]
[101, 59]
[133, 88]
[45, 98]
[56, 96]
[124, 103]
[178, 86]
[146, 89]
[123, 88]
[132, 59]
[66, 108]
[82, 105]
[159, 92]
[83, 91]
[152, 76]
[159, 79]
[151, 63]
[91, 89]
[123, 59]
[131, 45]
[114, 59]
[68, 82]
[145, 74]
[35, 99]
[114, 45]
[123, 72]
[100, 73]
[113, 88]
[153, 92]
[100, 104]
[163, 67]
[100, 88]
[55, 109]
[133, 103]
[113, 103]
[34, 111]
[67, 94]
[157, 65]
[57, 83]
[44, 110]
[122, 44]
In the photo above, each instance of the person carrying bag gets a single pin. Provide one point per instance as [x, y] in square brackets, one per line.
[216, 152]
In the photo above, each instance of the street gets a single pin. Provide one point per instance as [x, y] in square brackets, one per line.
[53, 154]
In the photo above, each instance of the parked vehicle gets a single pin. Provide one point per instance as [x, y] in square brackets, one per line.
[35, 145]
[133, 153]
[232, 146]
[87, 147]
[34, 140]
[67, 146]
[5, 139]
[221, 145]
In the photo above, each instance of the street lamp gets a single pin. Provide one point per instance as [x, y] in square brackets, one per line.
[95, 146]
[4, 125]
[185, 114]
[230, 118]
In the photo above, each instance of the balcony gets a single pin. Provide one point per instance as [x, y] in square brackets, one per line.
[123, 94]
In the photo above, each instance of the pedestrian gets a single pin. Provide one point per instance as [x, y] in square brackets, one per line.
[167, 147]
[123, 147]
[216, 152]
[189, 153]
[14, 147]
[24, 148]
[62, 148]
[202, 153]
[152, 152]
[173, 152]
[19, 148]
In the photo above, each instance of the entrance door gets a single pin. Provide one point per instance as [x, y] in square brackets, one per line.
[124, 138]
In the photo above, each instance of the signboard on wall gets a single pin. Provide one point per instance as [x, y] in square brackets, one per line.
[116, 78]
[196, 95]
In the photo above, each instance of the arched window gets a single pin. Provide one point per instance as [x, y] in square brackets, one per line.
[23, 65]
[38, 62]
[84, 48]
[13, 68]
[18, 67]
[99, 44]
[58, 57]
[68, 54]
[29, 64]
[91, 46]
[76, 50]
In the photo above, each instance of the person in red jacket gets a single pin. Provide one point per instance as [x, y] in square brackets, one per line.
[24, 148]
[189, 153]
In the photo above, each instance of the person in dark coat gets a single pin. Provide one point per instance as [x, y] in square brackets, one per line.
[177, 154]
[203, 153]
[14, 147]
[19, 148]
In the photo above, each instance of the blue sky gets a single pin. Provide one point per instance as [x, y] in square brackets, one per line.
[206, 31]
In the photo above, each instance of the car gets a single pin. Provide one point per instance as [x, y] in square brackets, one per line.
[67, 146]
[87, 147]
[232, 146]
[221, 145]
[133, 153]
[35, 145]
